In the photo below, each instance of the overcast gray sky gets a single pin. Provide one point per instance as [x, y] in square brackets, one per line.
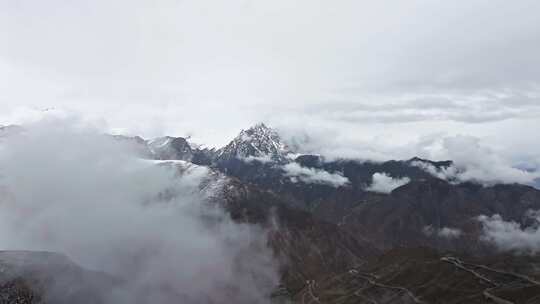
[367, 78]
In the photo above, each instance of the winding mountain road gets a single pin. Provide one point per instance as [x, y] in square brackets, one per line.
[470, 268]
[381, 285]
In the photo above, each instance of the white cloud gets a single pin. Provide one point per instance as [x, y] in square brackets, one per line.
[384, 183]
[448, 173]
[510, 235]
[312, 175]
[474, 161]
[261, 159]
[445, 232]
[449, 232]
[71, 190]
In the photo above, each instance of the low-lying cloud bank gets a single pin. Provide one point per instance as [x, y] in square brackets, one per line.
[476, 159]
[382, 182]
[510, 235]
[476, 162]
[314, 176]
[71, 190]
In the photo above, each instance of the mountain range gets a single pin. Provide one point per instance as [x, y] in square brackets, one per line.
[349, 231]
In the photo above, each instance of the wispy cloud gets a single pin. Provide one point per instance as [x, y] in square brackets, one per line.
[445, 232]
[316, 176]
[261, 159]
[510, 235]
[384, 183]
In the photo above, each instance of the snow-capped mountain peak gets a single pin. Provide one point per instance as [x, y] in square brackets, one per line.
[257, 141]
[170, 148]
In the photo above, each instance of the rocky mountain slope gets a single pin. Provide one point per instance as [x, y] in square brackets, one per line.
[412, 214]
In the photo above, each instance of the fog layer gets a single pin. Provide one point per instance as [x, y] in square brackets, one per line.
[68, 189]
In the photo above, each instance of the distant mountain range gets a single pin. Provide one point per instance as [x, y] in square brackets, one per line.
[364, 232]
